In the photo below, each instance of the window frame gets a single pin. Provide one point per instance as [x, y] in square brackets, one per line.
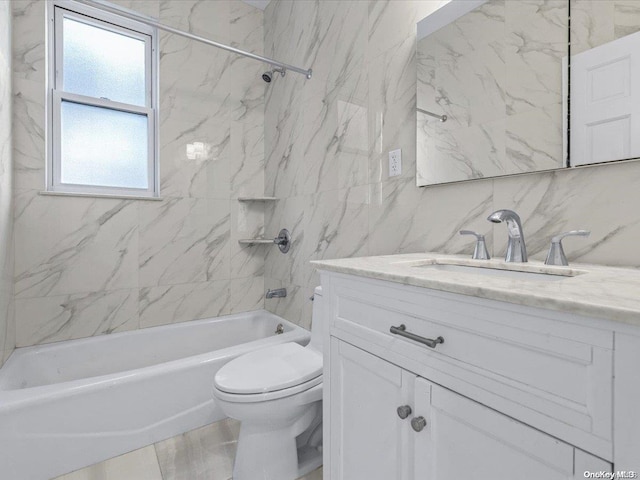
[57, 11]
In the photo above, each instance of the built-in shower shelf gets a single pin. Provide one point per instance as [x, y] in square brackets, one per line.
[255, 241]
[283, 241]
[257, 199]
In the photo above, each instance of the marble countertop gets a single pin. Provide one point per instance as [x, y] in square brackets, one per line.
[592, 290]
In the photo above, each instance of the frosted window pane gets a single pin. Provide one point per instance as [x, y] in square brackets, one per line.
[100, 63]
[103, 147]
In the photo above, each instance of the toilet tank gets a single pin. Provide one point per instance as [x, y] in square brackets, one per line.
[317, 320]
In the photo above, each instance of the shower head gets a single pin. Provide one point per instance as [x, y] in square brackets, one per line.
[268, 75]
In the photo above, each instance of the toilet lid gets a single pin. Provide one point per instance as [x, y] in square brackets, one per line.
[269, 369]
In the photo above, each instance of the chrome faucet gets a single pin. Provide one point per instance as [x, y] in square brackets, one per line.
[276, 293]
[516, 249]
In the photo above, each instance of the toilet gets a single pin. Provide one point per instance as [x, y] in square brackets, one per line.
[276, 394]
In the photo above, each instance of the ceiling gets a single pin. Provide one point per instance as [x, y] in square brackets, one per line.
[261, 4]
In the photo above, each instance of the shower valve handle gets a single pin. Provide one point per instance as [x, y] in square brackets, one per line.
[283, 240]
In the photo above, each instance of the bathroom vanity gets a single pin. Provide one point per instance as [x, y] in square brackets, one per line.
[442, 367]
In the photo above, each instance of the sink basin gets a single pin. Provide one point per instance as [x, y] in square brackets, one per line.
[527, 272]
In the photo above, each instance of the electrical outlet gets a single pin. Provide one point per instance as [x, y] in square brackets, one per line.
[395, 163]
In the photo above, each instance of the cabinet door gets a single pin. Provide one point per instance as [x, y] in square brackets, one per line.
[463, 439]
[368, 440]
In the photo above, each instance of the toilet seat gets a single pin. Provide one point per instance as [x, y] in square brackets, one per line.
[303, 391]
[269, 373]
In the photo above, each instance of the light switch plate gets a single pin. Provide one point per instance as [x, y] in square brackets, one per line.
[395, 163]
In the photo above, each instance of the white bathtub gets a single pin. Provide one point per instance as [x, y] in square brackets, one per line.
[67, 405]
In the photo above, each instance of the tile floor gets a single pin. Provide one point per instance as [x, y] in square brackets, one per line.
[203, 454]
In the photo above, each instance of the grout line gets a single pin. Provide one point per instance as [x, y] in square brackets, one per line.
[155, 450]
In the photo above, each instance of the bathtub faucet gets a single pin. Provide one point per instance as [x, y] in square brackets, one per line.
[277, 293]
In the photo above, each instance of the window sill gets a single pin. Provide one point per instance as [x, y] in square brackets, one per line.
[98, 195]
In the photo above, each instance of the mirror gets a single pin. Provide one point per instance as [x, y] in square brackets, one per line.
[605, 70]
[490, 89]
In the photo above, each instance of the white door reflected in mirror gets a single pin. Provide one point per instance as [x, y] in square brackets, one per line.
[605, 109]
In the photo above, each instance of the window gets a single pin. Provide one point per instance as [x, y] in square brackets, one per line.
[103, 113]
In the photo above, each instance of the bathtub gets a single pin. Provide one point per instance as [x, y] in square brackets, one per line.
[67, 405]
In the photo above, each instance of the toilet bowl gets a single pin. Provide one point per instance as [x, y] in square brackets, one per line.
[276, 394]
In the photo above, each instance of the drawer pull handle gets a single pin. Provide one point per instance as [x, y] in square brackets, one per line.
[418, 423]
[429, 342]
[404, 411]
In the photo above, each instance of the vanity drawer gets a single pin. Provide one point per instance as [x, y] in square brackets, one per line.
[525, 362]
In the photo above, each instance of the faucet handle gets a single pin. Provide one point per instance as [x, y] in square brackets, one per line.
[471, 232]
[480, 252]
[556, 254]
[580, 233]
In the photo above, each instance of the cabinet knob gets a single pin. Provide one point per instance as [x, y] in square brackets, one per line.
[418, 423]
[404, 411]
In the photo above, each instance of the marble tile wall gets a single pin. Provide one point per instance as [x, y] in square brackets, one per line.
[326, 144]
[7, 324]
[89, 266]
[595, 22]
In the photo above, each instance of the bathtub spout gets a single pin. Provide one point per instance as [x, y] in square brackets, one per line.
[277, 293]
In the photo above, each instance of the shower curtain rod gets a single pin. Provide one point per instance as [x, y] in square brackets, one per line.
[149, 21]
[442, 118]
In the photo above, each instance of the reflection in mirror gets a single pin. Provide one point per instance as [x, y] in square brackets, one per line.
[605, 72]
[494, 69]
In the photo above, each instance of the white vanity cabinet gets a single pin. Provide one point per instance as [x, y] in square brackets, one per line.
[464, 439]
[451, 437]
[513, 392]
[368, 439]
